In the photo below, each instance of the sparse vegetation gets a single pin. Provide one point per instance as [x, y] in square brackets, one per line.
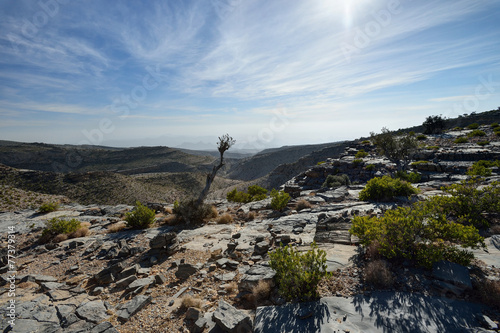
[420, 162]
[357, 161]
[476, 133]
[386, 188]
[261, 292]
[336, 180]
[432, 147]
[141, 217]
[60, 229]
[366, 142]
[483, 143]
[189, 211]
[279, 200]
[48, 207]
[412, 177]
[421, 137]
[298, 274]
[361, 154]
[461, 139]
[370, 167]
[473, 126]
[494, 125]
[116, 227]
[189, 301]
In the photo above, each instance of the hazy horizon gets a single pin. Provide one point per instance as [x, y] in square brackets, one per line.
[268, 73]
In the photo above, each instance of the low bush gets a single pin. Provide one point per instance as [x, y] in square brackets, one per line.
[254, 193]
[357, 161]
[336, 180]
[320, 163]
[457, 128]
[116, 227]
[189, 301]
[279, 200]
[473, 126]
[298, 274]
[377, 273]
[489, 292]
[483, 143]
[461, 140]
[361, 154]
[476, 133]
[48, 207]
[261, 292]
[494, 125]
[141, 216]
[421, 137]
[432, 147]
[189, 211]
[60, 229]
[412, 177]
[370, 167]
[421, 233]
[366, 142]
[386, 188]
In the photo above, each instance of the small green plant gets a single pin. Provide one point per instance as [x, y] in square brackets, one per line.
[279, 200]
[141, 217]
[298, 274]
[336, 180]
[386, 188]
[361, 154]
[370, 167]
[357, 161]
[420, 162]
[483, 143]
[57, 226]
[365, 142]
[320, 163]
[48, 207]
[421, 137]
[457, 128]
[494, 125]
[473, 126]
[432, 147]
[475, 133]
[412, 177]
[461, 139]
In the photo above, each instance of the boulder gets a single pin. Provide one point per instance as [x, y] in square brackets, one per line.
[135, 305]
[162, 240]
[186, 270]
[453, 273]
[232, 320]
[93, 311]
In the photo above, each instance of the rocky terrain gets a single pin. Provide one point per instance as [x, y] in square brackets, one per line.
[216, 277]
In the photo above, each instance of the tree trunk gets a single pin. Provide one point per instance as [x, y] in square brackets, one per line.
[210, 179]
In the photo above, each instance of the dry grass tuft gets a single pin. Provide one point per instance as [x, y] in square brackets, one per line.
[85, 224]
[231, 287]
[372, 250]
[260, 292]
[116, 227]
[251, 216]
[191, 302]
[168, 210]
[489, 291]
[303, 204]
[225, 219]
[213, 212]
[81, 232]
[60, 238]
[378, 274]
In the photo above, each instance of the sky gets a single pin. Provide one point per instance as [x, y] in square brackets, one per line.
[269, 73]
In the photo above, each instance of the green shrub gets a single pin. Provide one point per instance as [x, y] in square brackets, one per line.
[298, 274]
[141, 217]
[361, 154]
[336, 180]
[420, 162]
[421, 137]
[461, 140]
[254, 193]
[432, 147]
[279, 200]
[385, 188]
[473, 126]
[412, 177]
[357, 161]
[458, 128]
[470, 202]
[412, 133]
[189, 211]
[57, 226]
[434, 125]
[476, 132]
[365, 142]
[370, 167]
[494, 125]
[48, 207]
[320, 163]
[483, 143]
[420, 233]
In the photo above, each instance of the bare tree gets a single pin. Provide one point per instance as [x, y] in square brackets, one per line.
[225, 142]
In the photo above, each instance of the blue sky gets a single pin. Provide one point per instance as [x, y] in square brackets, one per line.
[269, 73]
